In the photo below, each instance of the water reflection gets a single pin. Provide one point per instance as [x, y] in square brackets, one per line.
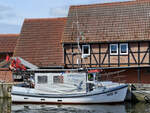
[140, 107]
[68, 108]
[5, 106]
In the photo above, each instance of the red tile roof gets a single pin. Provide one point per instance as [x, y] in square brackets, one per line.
[40, 41]
[8, 42]
[118, 21]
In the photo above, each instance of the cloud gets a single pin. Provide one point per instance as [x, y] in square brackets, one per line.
[8, 28]
[6, 12]
[4, 8]
[59, 11]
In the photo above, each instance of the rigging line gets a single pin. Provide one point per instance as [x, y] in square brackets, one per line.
[78, 38]
[115, 72]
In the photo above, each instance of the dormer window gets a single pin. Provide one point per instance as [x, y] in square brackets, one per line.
[113, 49]
[85, 51]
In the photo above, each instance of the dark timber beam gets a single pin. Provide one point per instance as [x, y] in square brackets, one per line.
[68, 59]
[138, 53]
[133, 56]
[72, 56]
[139, 74]
[105, 56]
[118, 54]
[99, 55]
[108, 56]
[149, 52]
[128, 54]
[64, 55]
[145, 55]
[93, 56]
[90, 55]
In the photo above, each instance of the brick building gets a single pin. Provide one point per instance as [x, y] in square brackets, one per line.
[110, 36]
[40, 42]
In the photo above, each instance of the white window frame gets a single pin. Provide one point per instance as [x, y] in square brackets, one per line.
[83, 54]
[126, 49]
[110, 49]
[42, 82]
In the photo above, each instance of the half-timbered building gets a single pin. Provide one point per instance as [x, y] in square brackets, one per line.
[110, 36]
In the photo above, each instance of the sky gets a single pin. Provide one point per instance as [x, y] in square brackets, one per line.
[13, 12]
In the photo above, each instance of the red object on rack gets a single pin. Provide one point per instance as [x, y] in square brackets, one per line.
[7, 58]
[95, 71]
[23, 67]
[16, 65]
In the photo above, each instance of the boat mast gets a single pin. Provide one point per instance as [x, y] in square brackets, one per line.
[80, 35]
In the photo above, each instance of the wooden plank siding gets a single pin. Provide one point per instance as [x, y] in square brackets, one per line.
[129, 75]
[138, 55]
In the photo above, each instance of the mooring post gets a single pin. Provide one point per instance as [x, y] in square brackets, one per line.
[5, 90]
[139, 75]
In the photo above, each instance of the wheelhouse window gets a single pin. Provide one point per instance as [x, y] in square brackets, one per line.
[58, 79]
[85, 51]
[90, 77]
[123, 48]
[113, 49]
[42, 79]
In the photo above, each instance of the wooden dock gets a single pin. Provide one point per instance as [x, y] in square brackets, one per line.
[139, 92]
[5, 105]
[5, 90]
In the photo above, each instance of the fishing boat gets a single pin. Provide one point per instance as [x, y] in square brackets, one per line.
[70, 88]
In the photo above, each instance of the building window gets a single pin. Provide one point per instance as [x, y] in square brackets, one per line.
[123, 48]
[113, 49]
[42, 79]
[85, 51]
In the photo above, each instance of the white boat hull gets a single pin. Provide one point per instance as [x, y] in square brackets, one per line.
[113, 95]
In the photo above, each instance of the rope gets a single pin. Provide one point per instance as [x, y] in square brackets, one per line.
[112, 73]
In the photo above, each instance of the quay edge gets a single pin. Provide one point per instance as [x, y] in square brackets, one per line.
[5, 90]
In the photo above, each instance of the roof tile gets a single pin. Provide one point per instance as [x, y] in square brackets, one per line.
[118, 21]
[8, 42]
[40, 41]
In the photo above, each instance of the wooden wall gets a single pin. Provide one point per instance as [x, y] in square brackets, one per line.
[128, 75]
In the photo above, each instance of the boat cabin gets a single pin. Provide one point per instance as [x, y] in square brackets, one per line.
[61, 82]
[67, 82]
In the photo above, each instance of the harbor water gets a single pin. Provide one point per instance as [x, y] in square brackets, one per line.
[7, 107]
